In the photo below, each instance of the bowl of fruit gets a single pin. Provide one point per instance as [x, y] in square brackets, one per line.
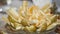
[30, 20]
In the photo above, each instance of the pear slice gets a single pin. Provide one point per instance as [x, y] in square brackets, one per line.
[11, 19]
[51, 26]
[6, 20]
[44, 15]
[25, 4]
[17, 26]
[31, 28]
[12, 13]
[53, 18]
[43, 27]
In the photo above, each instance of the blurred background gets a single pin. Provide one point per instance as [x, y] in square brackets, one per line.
[11, 3]
[5, 4]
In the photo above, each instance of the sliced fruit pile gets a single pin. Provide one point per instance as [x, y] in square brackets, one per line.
[31, 18]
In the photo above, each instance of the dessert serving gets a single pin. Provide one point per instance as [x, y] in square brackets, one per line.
[31, 19]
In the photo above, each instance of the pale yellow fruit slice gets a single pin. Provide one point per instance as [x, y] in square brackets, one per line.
[43, 27]
[44, 15]
[5, 19]
[52, 19]
[12, 19]
[17, 26]
[25, 4]
[12, 13]
[51, 26]
[24, 22]
[31, 28]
